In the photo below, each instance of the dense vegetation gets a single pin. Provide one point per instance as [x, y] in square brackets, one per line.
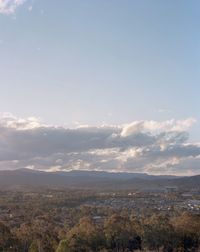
[119, 232]
[62, 224]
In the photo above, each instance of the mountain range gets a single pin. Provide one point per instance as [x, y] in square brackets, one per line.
[94, 179]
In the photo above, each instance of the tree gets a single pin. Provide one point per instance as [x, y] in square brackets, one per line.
[159, 234]
[38, 232]
[120, 234]
[33, 247]
[7, 241]
[188, 228]
[85, 237]
[63, 246]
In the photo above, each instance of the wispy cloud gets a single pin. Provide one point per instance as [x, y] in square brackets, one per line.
[10, 6]
[30, 8]
[141, 146]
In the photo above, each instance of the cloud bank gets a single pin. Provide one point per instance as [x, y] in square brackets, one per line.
[141, 146]
[10, 6]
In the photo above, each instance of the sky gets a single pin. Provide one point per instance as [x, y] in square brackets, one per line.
[100, 85]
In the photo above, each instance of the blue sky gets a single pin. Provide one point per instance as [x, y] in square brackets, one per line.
[100, 62]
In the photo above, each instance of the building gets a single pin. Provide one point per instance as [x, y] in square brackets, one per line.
[171, 189]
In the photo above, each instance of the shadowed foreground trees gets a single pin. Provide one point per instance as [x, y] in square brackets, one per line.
[85, 236]
[120, 234]
[159, 234]
[117, 233]
[63, 246]
[187, 228]
[8, 242]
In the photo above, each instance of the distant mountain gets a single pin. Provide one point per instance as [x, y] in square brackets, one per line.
[93, 179]
[113, 175]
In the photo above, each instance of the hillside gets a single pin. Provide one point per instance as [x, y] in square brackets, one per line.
[93, 179]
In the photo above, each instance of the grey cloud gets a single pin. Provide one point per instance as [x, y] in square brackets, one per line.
[31, 144]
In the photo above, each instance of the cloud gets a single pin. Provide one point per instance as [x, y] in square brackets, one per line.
[10, 6]
[152, 126]
[7, 120]
[141, 146]
[30, 8]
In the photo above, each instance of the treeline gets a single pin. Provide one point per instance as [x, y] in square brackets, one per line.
[118, 232]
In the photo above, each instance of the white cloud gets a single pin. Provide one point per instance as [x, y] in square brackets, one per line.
[144, 146]
[10, 121]
[152, 126]
[10, 6]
